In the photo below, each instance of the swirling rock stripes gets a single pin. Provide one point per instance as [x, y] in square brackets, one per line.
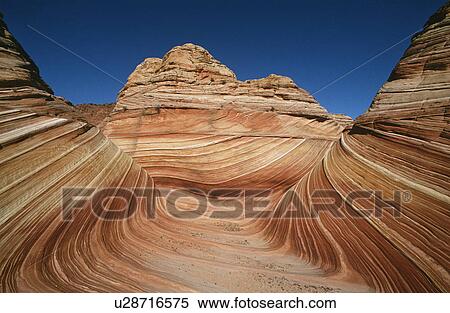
[400, 144]
[42, 252]
[185, 121]
[422, 221]
[232, 122]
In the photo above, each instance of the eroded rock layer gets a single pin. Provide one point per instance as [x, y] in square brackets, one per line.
[350, 208]
[189, 77]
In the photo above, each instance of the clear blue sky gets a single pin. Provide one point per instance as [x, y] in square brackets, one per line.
[313, 42]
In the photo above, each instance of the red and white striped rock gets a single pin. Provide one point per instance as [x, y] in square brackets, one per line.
[185, 121]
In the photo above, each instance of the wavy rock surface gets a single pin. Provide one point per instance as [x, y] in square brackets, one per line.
[45, 148]
[185, 121]
[400, 144]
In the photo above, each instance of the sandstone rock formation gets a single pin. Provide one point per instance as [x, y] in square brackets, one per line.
[401, 143]
[40, 251]
[189, 77]
[185, 138]
[185, 121]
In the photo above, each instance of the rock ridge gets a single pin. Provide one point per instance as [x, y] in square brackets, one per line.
[21, 86]
[415, 100]
[188, 76]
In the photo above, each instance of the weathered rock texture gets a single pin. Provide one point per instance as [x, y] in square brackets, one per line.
[189, 77]
[176, 135]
